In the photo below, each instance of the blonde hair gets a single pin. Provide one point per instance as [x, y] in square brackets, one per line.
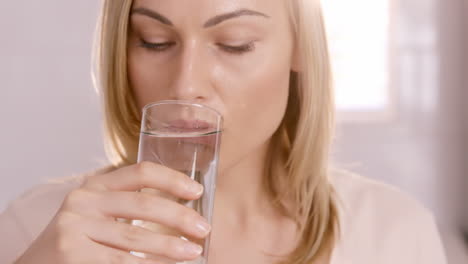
[300, 145]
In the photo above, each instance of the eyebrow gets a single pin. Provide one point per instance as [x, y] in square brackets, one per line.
[223, 17]
[210, 23]
[152, 14]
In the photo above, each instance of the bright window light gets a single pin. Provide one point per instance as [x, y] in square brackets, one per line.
[358, 32]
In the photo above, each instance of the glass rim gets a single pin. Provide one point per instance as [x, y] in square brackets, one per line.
[181, 102]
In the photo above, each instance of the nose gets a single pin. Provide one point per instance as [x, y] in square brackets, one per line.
[190, 81]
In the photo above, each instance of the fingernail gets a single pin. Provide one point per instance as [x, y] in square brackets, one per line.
[196, 188]
[203, 228]
[193, 249]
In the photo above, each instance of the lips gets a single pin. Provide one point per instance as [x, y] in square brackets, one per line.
[190, 125]
[199, 131]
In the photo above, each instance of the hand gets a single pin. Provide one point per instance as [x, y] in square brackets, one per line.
[84, 229]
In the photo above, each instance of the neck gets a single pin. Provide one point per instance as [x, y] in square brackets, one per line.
[241, 196]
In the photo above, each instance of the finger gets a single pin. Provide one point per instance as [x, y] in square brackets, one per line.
[147, 207]
[112, 255]
[147, 175]
[133, 238]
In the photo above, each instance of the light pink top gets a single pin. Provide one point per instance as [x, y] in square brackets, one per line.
[380, 225]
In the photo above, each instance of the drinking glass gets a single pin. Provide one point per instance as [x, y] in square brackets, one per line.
[186, 137]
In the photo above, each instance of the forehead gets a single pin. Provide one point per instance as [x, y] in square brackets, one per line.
[205, 9]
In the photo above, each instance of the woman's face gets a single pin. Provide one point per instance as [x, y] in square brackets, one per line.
[232, 55]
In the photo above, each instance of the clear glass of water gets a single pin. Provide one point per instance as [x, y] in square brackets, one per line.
[186, 137]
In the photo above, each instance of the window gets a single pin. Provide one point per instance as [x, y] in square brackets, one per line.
[358, 33]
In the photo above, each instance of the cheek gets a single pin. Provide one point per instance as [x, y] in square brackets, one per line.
[145, 79]
[256, 88]
[264, 99]
[138, 78]
[255, 101]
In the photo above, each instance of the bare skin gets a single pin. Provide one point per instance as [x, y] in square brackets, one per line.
[233, 55]
[197, 60]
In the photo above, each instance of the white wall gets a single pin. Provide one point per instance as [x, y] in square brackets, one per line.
[50, 121]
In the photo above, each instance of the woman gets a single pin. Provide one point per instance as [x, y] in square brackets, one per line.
[264, 65]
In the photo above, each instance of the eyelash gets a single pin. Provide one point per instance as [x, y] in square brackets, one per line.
[157, 47]
[238, 50]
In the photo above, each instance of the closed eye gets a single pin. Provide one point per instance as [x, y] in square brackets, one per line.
[237, 49]
[158, 47]
[163, 46]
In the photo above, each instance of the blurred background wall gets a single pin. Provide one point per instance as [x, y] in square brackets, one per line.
[413, 136]
[418, 140]
[50, 119]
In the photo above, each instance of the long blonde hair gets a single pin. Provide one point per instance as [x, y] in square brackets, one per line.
[300, 145]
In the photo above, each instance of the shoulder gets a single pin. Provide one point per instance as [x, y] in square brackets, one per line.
[34, 209]
[28, 215]
[358, 194]
[379, 218]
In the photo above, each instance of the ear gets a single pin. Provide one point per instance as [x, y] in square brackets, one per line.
[295, 60]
